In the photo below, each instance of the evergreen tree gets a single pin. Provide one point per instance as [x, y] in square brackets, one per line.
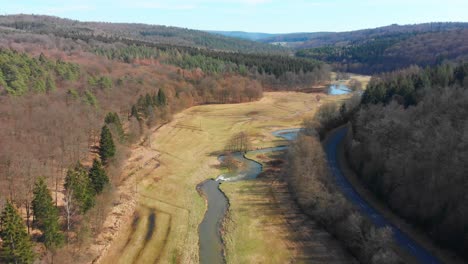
[98, 177]
[50, 84]
[106, 145]
[113, 118]
[41, 202]
[46, 215]
[53, 237]
[16, 246]
[105, 82]
[79, 185]
[90, 98]
[40, 86]
[148, 100]
[3, 83]
[42, 58]
[134, 112]
[162, 101]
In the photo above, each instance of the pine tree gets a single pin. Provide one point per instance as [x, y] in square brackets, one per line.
[46, 215]
[106, 145]
[53, 237]
[3, 83]
[41, 202]
[113, 119]
[16, 246]
[40, 86]
[162, 101]
[98, 177]
[78, 184]
[148, 100]
[134, 112]
[50, 84]
[42, 59]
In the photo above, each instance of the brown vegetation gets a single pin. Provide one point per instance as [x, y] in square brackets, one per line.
[316, 193]
[44, 134]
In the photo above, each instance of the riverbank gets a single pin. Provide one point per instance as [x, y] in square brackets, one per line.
[265, 206]
[186, 150]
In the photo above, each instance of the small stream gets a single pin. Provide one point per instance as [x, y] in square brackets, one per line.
[211, 244]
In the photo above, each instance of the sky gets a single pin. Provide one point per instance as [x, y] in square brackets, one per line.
[269, 16]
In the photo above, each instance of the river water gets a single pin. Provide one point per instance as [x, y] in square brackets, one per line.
[211, 244]
[338, 89]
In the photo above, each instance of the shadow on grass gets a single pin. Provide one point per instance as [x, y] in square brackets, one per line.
[269, 196]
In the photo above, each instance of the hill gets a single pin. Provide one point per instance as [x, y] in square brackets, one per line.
[391, 48]
[393, 52]
[320, 39]
[151, 33]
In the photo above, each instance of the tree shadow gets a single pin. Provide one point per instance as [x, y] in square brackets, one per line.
[271, 198]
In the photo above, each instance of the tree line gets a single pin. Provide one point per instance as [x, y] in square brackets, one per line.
[316, 192]
[409, 146]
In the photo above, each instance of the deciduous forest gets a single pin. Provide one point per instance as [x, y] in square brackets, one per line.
[409, 147]
[72, 106]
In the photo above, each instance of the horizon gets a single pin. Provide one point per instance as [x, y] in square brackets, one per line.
[239, 31]
[252, 16]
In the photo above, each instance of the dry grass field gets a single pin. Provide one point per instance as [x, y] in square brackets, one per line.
[178, 156]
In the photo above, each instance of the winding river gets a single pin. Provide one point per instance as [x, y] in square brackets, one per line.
[211, 244]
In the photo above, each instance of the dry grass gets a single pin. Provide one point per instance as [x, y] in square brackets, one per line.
[185, 147]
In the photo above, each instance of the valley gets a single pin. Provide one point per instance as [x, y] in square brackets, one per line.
[181, 132]
[186, 150]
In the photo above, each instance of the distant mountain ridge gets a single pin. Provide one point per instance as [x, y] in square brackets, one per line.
[254, 36]
[302, 40]
[381, 49]
[319, 39]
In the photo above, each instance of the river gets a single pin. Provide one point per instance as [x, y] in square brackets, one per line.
[211, 244]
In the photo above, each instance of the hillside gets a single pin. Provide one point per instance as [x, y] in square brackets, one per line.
[151, 33]
[320, 39]
[390, 50]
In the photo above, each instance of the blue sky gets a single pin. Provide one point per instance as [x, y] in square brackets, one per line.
[272, 16]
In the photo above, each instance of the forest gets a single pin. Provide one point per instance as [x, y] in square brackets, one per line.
[321, 39]
[393, 51]
[150, 33]
[68, 120]
[317, 194]
[73, 103]
[274, 71]
[409, 146]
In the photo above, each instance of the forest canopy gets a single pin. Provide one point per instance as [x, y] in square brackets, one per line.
[410, 147]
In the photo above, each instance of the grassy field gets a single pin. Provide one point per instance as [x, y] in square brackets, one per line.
[169, 209]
